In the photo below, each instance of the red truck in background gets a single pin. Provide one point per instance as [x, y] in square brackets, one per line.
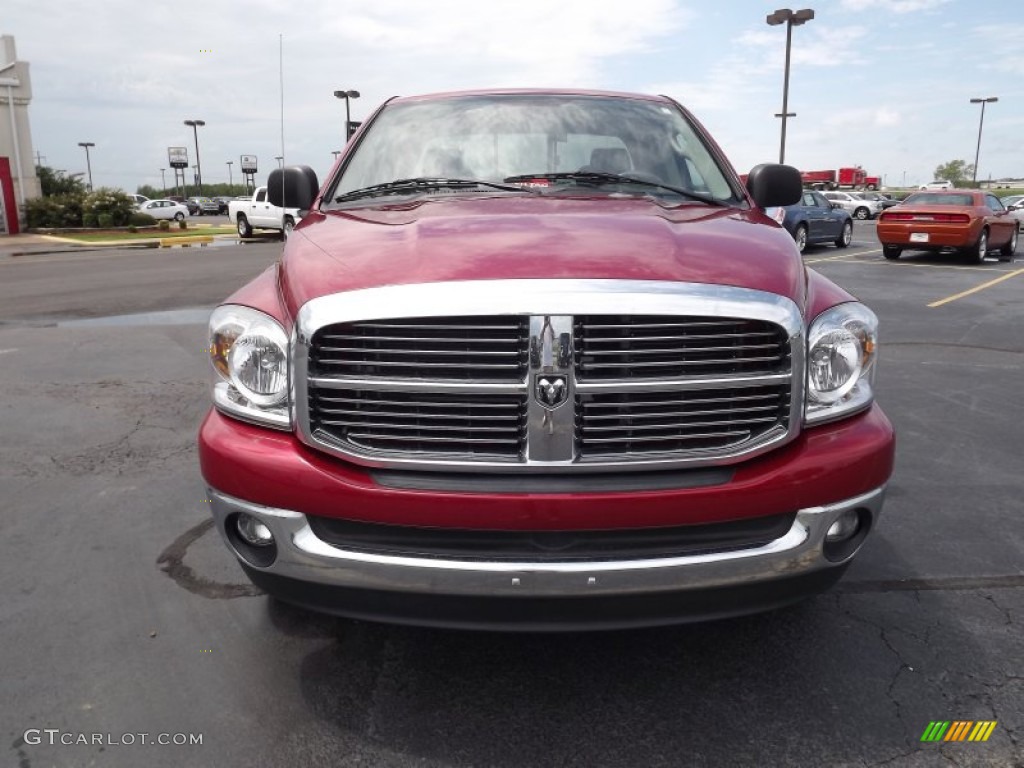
[854, 178]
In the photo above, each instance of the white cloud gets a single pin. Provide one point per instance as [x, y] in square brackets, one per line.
[880, 117]
[894, 6]
[821, 45]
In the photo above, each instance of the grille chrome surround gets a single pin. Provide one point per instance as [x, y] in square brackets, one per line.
[394, 428]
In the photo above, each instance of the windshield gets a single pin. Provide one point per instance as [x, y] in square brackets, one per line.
[497, 137]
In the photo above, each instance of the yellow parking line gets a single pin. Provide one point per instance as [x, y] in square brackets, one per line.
[976, 288]
[841, 256]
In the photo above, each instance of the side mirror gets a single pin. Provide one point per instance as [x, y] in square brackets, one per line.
[772, 184]
[293, 187]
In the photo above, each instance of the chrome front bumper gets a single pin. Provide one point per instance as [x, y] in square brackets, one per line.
[303, 558]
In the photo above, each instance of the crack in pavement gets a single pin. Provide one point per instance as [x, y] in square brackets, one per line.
[901, 664]
[1007, 581]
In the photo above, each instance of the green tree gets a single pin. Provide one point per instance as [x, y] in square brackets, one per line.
[54, 183]
[956, 171]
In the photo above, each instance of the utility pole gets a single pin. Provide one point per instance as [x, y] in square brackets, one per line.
[790, 19]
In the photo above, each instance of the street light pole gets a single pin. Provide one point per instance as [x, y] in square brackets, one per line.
[981, 123]
[335, 152]
[231, 183]
[163, 181]
[88, 163]
[347, 95]
[280, 161]
[199, 168]
[790, 19]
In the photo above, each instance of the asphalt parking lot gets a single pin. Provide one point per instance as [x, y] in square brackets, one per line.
[124, 614]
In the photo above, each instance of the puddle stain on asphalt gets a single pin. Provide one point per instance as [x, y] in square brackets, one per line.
[171, 562]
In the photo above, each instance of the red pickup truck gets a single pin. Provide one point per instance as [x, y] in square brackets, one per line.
[539, 360]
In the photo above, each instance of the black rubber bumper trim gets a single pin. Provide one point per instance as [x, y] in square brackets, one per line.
[550, 614]
[609, 482]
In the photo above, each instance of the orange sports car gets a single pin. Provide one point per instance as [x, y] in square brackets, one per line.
[968, 221]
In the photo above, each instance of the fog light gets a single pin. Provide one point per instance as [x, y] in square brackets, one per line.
[844, 527]
[253, 531]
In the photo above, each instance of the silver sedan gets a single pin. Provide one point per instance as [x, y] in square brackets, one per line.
[165, 209]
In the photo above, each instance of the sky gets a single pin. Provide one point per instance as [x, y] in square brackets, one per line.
[885, 84]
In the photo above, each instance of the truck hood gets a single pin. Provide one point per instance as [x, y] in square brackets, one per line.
[498, 237]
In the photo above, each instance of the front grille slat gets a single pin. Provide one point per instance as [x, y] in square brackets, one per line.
[422, 364]
[431, 438]
[406, 414]
[662, 438]
[673, 363]
[671, 414]
[671, 351]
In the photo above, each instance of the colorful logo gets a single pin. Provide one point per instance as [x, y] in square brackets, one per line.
[958, 730]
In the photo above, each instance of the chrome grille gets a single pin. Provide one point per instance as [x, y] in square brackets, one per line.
[447, 348]
[633, 347]
[549, 376]
[420, 423]
[673, 421]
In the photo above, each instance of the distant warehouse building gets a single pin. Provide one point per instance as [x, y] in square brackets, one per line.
[18, 181]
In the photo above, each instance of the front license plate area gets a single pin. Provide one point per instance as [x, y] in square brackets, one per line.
[919, 237]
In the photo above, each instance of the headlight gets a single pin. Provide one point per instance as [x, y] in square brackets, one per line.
[249, 352]
[842, 345]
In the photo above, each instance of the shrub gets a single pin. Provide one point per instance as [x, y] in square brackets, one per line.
[182, 224]
[89, 220]
[140, 219]
[113, 202]
[104, 220]
[164, 225]
[54, 211]
[133, 229]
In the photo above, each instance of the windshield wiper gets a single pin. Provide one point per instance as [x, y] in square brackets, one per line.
[600, 177]
[401, 186]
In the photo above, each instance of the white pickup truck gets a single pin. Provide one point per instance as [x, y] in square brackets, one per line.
[259, 213]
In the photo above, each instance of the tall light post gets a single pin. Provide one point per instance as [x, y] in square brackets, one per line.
[347, 95]
[335, 152]
[231, 183]
[790, 19]
[981, 123]
[280, 161]
[163, 181]
[199, 168]
[88, 163]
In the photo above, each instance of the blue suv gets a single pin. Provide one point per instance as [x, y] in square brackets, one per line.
[815, 220]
